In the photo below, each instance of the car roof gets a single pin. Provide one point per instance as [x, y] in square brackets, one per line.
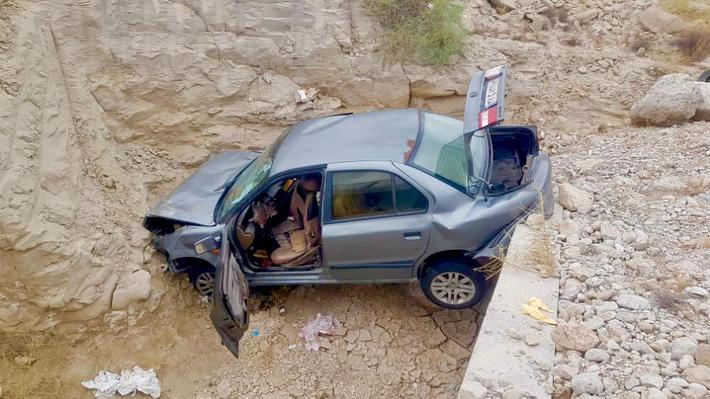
[370, 136]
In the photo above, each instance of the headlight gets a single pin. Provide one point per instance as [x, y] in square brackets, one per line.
[207, 244]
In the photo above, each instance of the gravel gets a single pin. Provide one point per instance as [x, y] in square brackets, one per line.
[634, 267]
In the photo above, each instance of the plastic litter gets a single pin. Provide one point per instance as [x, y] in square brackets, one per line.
[255, 332]
[535, 308]
[325, 325]
[107, 384]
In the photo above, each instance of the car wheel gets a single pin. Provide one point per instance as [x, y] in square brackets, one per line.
[453, 284]
[705, 77]
[203, 281]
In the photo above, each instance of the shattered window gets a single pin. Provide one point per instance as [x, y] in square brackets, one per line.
[248, 180]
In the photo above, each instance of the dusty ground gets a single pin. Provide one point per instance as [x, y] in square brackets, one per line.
[389, 346]
[104, 120]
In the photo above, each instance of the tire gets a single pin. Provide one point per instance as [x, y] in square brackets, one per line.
[203, 280]
[440, 280]
[705, 77]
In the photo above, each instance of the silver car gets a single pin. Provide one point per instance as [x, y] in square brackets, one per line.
[379, 197]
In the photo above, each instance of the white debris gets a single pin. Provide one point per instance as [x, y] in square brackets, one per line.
[320, 325]
[107, 384]
[302, 96]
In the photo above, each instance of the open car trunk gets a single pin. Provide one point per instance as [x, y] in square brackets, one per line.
[513, 150]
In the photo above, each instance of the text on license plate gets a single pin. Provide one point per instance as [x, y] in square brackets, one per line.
[492, 93]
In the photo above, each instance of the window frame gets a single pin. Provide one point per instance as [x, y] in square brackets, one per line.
[327, 210]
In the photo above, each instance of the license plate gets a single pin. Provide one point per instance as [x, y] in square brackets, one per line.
[492, 93]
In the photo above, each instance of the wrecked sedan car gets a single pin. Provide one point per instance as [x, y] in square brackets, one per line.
[378, 197]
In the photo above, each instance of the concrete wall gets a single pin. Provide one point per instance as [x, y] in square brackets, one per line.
[514, 352]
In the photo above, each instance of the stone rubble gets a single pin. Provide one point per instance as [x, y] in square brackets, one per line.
[634, 306]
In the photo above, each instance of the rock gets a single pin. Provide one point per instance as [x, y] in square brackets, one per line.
[24, 361]
[686, 361]
[503, 6]
[570, 229]
[514, 394]
[655, 393]
[656, 20]
[472, 390]
[596, 355]
[672, 99]
[594, 323]
[698, 374]
[695, 391]
[683, 346]
[610, 385]
[676, 385]
[539, 22]
[609, 232]
[702, 355]
[587, 16]
[531, 340]
[588, 383]
[651, 381]
[703, 111]
[575, 336]
[696, 292]
[565, 371]
[633, 302]
[641, 240]
[132, 288]
[575, 199]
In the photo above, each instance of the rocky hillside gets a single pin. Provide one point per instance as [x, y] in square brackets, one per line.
[107, 105]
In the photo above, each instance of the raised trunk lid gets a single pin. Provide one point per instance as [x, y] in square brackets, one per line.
[485, 99]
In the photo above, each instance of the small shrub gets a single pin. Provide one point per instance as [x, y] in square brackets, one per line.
[694, 43]
[668, 300]
[690, 10]
[420, 31]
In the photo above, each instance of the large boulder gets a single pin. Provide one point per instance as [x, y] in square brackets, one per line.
[575, 199]
[656, 20]
[134, 287]
[575, 336]
[698, 374]
[672, 99]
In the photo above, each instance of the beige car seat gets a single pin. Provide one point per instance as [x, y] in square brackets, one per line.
[298, 237]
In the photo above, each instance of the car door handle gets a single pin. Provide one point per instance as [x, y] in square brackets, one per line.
[412, 235]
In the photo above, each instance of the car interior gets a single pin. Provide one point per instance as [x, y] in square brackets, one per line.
[511, 162]
[281, 229]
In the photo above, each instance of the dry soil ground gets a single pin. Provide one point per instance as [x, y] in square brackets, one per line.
[389, 346]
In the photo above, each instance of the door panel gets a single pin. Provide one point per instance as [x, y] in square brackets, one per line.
[383, 248]
[229, 310]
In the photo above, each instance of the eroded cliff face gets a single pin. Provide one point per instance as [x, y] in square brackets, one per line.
[103, 102]
[107, 105]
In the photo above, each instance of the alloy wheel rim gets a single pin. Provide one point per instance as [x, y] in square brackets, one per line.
[453, 288]
[204, 283]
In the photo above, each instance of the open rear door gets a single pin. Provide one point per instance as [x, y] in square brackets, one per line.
[485, 100]
[229, 307]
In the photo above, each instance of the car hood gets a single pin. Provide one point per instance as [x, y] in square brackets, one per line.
[194, 200]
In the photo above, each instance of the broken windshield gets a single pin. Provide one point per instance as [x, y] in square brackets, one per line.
[248, 180]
